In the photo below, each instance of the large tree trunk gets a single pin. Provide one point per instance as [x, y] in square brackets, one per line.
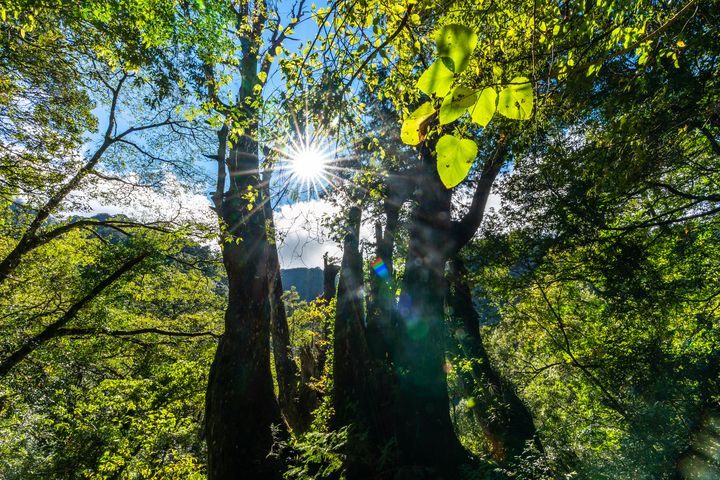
[241, 405]
[381, 316]
[505, 420]
[296, 399]
[241, 408]
[351, 356]
[358, 398]
[426, 434]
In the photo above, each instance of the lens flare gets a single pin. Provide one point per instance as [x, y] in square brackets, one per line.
[380, 268]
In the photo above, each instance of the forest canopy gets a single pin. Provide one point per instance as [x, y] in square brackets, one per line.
[515, 206]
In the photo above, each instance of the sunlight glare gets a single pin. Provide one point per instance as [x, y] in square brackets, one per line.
[309, 164]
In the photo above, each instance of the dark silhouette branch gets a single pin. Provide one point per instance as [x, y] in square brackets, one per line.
[384, 44]
[63, 332]
[278, 37]
[689, 196]
[465, 228]
[51, 331]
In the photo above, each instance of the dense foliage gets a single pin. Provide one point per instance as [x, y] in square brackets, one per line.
[570, 331]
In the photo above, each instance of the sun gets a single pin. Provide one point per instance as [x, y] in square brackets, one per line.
[309, 164]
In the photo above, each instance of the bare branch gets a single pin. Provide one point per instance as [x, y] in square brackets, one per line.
[465, 228]
[126, 333]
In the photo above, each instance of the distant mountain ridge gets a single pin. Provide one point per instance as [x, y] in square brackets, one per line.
[307, 281]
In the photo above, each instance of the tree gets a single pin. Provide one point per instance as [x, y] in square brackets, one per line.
[46, 168]
[118, 390]
[241, 407]
[596, 123]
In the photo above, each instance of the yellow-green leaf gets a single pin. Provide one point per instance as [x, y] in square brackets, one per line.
[411, 132]
[484, 109]
[455, 156]
[455, 104]
[455, 44]
[516, 100]
[436, 79]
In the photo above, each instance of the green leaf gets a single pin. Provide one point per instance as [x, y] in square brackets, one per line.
[516, 100]
[455, 44]
[437, 79]
[455, 156]
[484, 109]
[593, 69]
[411, 132]
[455, 104]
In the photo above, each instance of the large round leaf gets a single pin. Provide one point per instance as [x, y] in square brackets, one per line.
[436, 79]
[484, 109]
[455, 44]
[413, 126]
[455, 156]
[455, 104]
[516, 100]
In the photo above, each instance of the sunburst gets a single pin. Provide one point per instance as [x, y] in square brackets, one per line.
[308, 164]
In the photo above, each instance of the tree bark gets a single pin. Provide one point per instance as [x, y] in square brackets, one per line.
[240, 404]
[296, 400]
[381, 316]
[359, 400]
[423, 406]
[241, 408]
[350, 348]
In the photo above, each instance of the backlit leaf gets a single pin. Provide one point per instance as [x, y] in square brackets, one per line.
[455, 104]
[455, 44]
[413, 126]
[437, 79]
[455, 156]
[484, 108]
[516, 100]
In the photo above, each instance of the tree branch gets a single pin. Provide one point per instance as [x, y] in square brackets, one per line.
[689, 196]
[389, 39]
[125, 333]
[465, 228]
[51, 331]
[279, 37]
